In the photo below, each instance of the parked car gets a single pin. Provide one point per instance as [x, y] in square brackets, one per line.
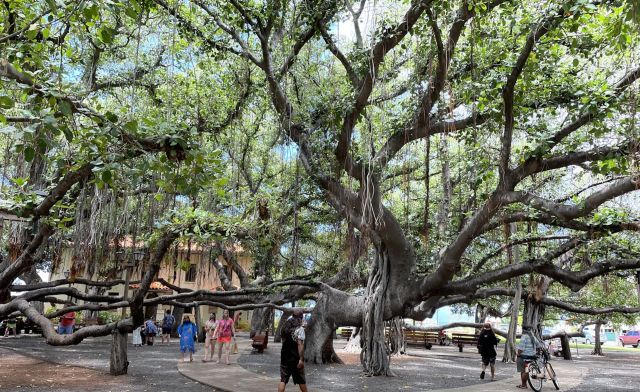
[630, 338]
[587, 339]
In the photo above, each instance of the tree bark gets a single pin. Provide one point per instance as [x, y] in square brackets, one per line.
[375, 356]
[510, 345]
[597, 348]
[260, 320]
[566, 347]
[533, 315]
[277, 334]
[513, 256]
[396, 341]
[118, 364]
[334, 308]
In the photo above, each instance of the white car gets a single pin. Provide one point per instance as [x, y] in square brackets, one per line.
[588, 338]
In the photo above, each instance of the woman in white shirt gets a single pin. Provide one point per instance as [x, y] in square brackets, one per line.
[210, 338]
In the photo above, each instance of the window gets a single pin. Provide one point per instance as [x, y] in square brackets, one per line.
[191, 274]
[188, 310]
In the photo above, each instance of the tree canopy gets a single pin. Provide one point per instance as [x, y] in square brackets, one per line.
[391, 156]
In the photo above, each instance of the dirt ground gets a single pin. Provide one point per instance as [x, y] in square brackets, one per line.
[19, 372]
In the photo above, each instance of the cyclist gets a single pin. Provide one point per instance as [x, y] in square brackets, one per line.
[526, 350]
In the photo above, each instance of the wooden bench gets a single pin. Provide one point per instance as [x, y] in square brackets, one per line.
[421, 338]
[346, 333]
[464, 339]
[259, 342]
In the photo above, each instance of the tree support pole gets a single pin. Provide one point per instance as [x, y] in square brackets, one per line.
[118, 364]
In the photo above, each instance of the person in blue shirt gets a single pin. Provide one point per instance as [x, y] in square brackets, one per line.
[526, 349]
[167, 324]
[150, 331]
[188, 334]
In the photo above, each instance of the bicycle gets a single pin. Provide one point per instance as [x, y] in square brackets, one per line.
[538, 374]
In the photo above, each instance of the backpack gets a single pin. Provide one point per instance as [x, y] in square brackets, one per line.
[168, 321]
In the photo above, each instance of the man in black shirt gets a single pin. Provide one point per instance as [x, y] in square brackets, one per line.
[292, 354]
[486, 346]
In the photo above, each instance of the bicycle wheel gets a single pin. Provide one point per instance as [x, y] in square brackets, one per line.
[535, 377]
[553, 376]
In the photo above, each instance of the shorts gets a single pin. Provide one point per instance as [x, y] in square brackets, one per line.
[287, 371]
[152, 334]
[489, 361]
[224, 339]
[521, 361]
[65, 329]
[166, 330]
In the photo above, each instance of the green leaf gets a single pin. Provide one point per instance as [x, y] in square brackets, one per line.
[107, 176]
[29, 153]
[106, 34]
[65, 108]
[131, 126]
[6, 102]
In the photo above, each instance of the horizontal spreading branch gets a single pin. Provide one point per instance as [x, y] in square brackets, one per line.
[502, 333]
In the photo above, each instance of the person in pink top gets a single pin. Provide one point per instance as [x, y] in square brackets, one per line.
[224, 331]
[67, 321]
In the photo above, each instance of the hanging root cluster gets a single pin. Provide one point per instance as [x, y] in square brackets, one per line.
[395, 337]
[375, 355]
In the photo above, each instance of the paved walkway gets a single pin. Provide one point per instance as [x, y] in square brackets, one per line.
[235, 378]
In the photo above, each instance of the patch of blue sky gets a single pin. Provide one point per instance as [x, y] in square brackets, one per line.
[286, 152]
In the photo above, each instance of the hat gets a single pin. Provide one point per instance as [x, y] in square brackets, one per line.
[297, 313]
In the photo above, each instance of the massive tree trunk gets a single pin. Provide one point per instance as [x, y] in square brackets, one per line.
[277, 334]
[566, 347]
[261, 320]
[334, 308]
[597, 348]
[375, 356]
[533, 315]
[118, 364]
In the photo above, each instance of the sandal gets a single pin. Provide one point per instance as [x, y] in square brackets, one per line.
[522, 386]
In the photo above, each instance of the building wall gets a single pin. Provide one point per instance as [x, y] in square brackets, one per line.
[206, 278]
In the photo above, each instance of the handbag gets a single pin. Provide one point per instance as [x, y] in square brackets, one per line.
[234, 347]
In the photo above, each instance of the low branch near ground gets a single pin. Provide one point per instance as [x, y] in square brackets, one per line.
[54, 339]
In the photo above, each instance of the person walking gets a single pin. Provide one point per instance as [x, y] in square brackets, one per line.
[526, 350]
[151, 330]
[487, 342]
[224, 331]
[292, 353]
[67, 322]
[210, 337]
[188, 333]
[137, 338]
[167, 324]
[11, 325]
